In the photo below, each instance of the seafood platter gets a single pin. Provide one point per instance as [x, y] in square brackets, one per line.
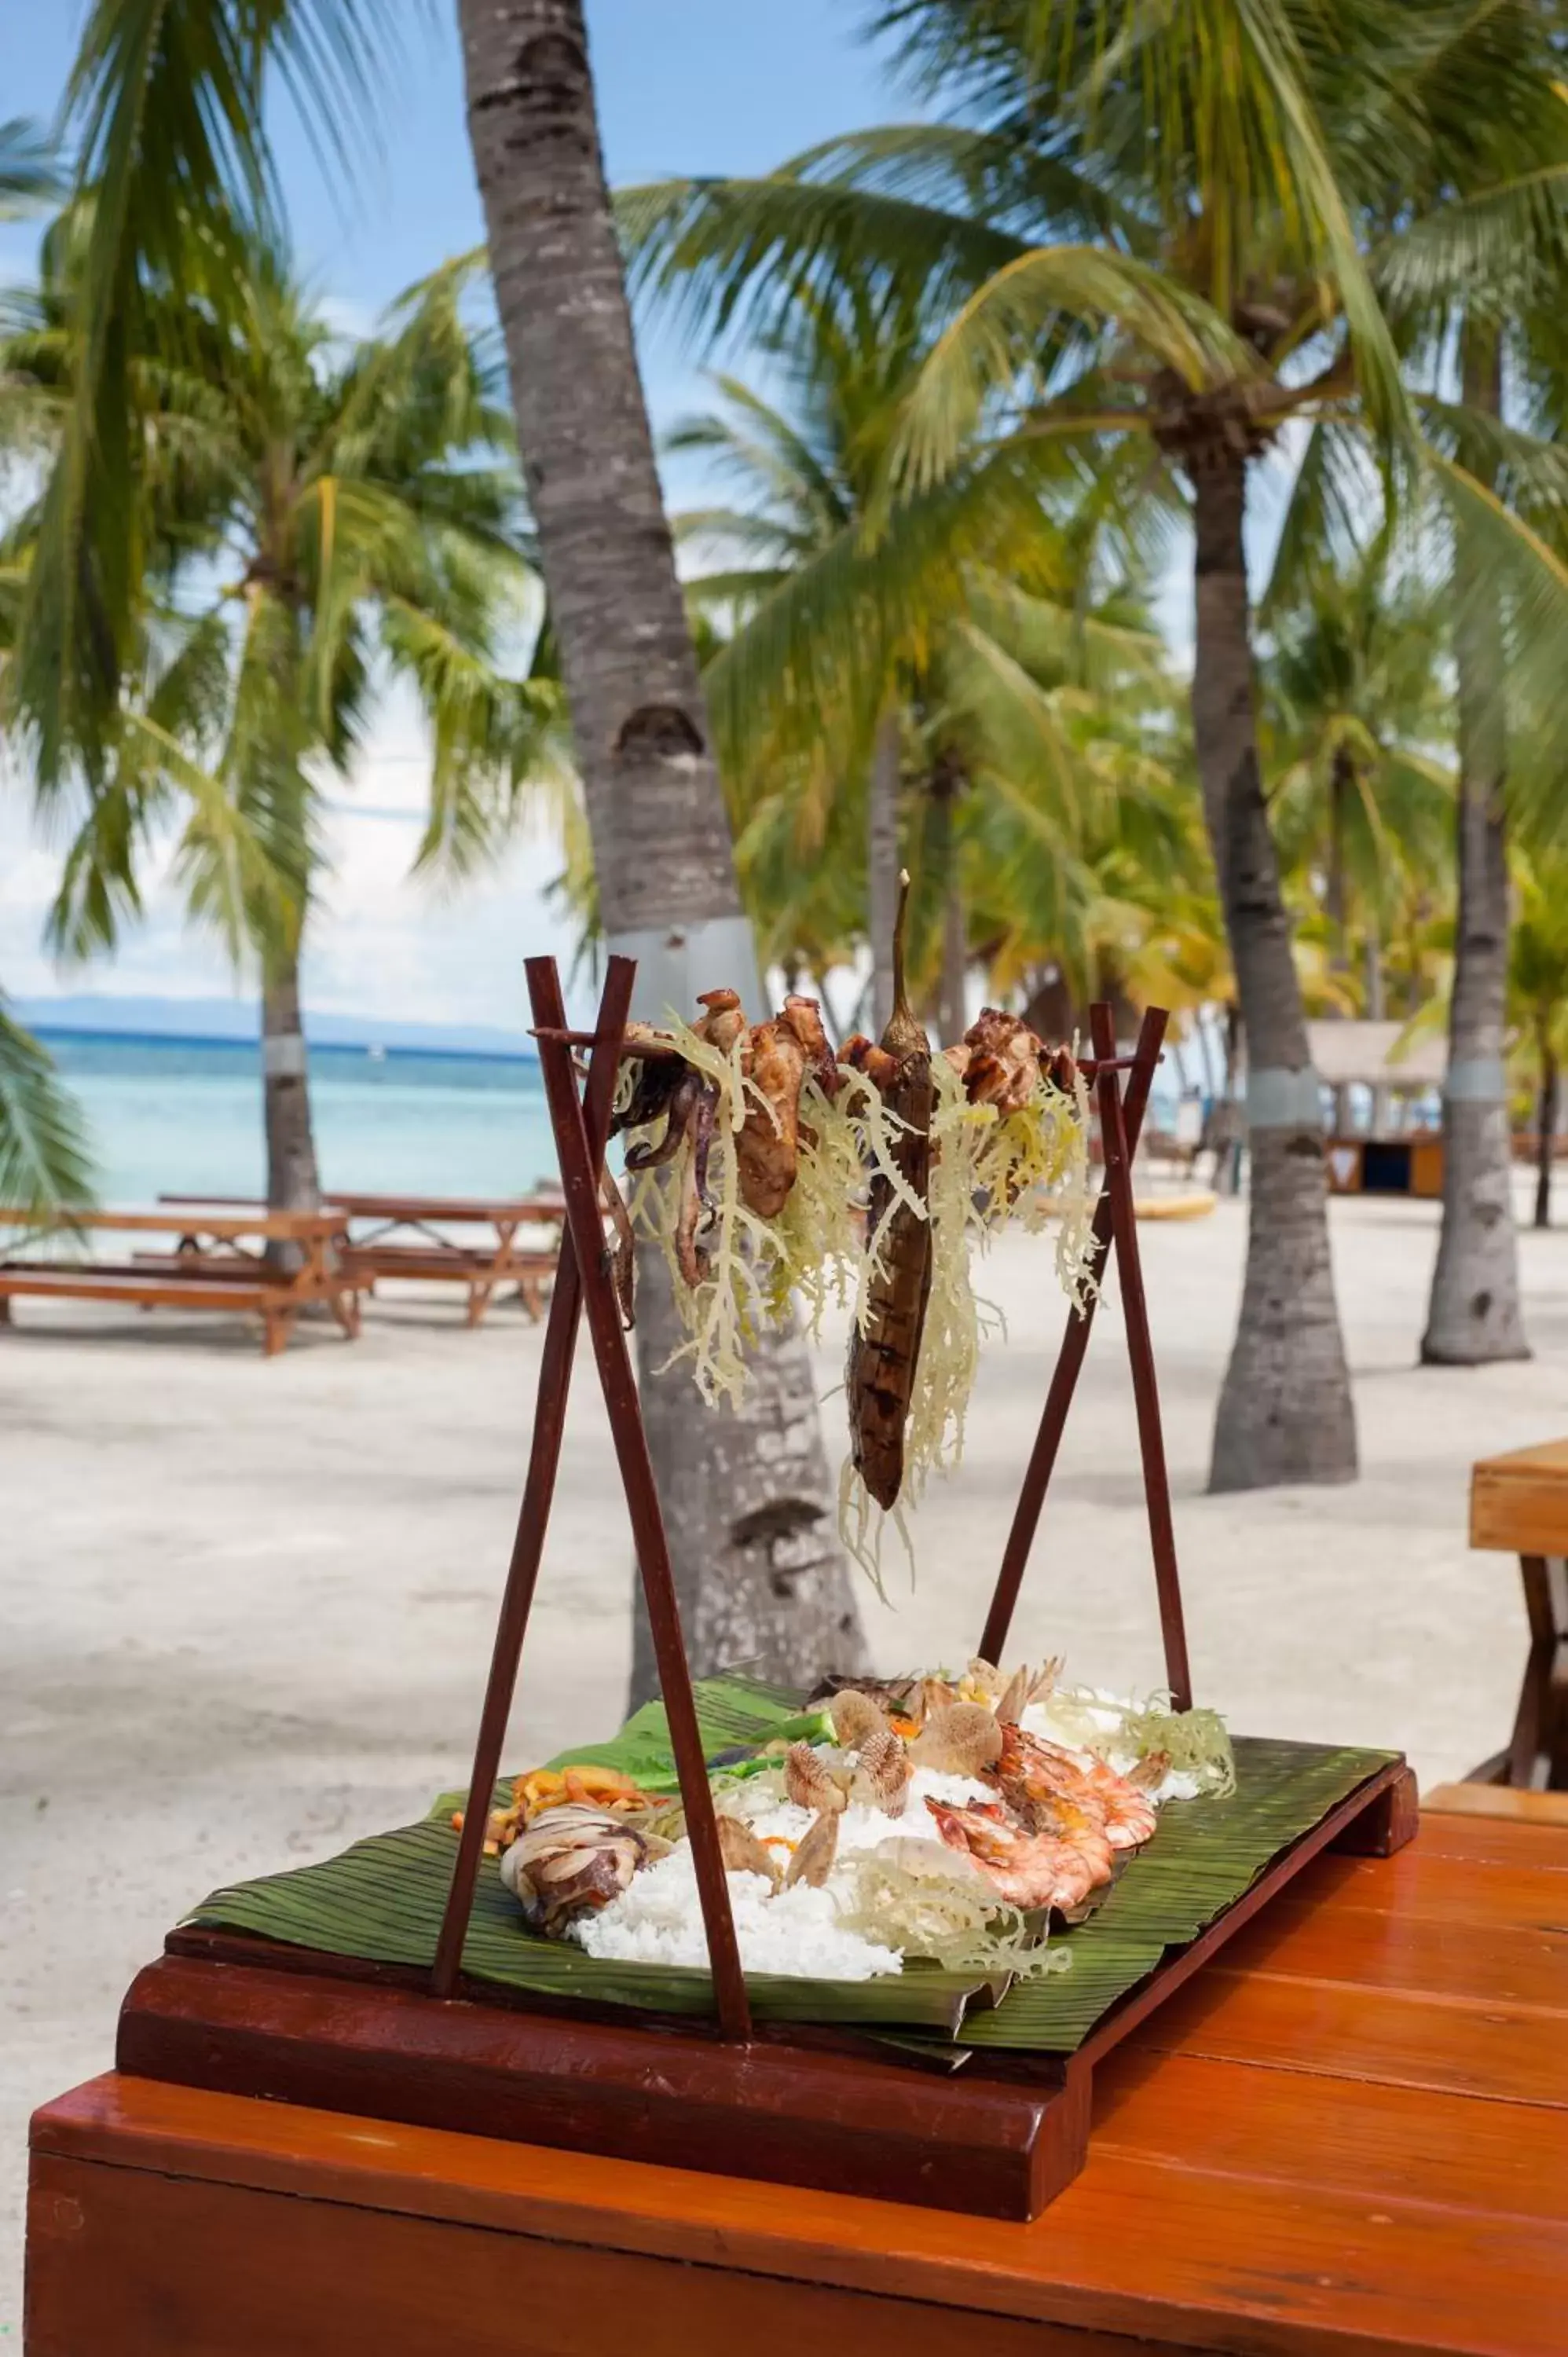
[871, 1934]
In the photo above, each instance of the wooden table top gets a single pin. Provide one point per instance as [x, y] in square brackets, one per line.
[1519, 1501]
[1350, 2135]
[228, 1221]
[483, 1210]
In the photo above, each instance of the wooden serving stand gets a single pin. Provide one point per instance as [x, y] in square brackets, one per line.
[815, 2107]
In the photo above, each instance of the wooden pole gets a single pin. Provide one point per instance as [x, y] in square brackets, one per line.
[580, 1180]
[1141, 1352]
[539, 1490]
[1069, 1358]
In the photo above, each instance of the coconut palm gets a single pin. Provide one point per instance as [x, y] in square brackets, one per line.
[168, 104]
[1356, 716]
[758, 1571]
[1538, 998]
[1469, 267]
[317, 520]
[958, 650]
[44, 1160]
[1156, 225]
[1197, 139]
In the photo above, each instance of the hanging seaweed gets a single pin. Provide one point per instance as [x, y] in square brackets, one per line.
[769, 1170]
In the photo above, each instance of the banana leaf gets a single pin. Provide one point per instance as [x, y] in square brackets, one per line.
[383, 1899]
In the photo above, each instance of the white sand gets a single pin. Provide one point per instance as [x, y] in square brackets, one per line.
[248, 1607]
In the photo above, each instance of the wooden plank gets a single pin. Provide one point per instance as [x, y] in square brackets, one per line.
[287, 1226]
[846, 2122]
[452, 1263]
[123, 2265]
[1541, 1844]
[479, 1211]
[88, 1284]
[1504, 1800]
[1389, 2143]
[1419, 1883]
[1422, 1955]
[1153, 2248]
[1520, 1503]
[1509, 2053]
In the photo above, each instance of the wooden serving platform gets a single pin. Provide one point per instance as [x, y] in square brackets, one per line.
[999, 2136]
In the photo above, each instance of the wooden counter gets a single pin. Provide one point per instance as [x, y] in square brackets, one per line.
[1350, 2135]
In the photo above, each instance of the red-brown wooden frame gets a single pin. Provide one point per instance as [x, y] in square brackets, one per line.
[584, 1287]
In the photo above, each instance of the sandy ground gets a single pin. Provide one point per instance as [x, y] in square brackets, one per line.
[248, 1607]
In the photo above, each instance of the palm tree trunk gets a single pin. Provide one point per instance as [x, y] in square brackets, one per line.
[1474, 1315]
[1377, 1008]
[292, 1181]
[942, 843]
[747, 1496]
[1334, 905]
[882, 864]
[1545, 1134]
[1285, 1412]
[1335, 896]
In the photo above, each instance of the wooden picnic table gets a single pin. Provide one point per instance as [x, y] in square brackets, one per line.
[1348, 2136]
[219, 1262]
[1518, 1504]
[409, 1237]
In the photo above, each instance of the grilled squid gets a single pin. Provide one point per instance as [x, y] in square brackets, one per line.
[885, 1345]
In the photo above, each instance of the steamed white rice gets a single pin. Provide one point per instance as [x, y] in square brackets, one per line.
[658, 1920]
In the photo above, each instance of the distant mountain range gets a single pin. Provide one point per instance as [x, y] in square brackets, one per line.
[228, 1021]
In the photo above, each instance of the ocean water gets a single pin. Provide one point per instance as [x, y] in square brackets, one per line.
[173, 1116]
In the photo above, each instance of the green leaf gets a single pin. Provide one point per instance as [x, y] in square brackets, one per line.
[383, 1899]
[44, 1159]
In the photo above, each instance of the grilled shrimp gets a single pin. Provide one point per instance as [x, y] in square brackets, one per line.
[1028, 1869]
[1045, 1772]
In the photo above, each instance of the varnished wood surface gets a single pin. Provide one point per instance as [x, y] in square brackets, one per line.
[1520, 1503]
[1351, 2136]
[540, 1208]
[1498, 1800]
[225, 1223]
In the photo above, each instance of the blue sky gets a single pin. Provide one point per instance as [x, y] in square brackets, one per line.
[684, 86]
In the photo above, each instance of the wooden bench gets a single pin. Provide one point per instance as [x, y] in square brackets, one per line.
[1518, 1504]
[533, 1272]
[214, 1271]
[408, 1239]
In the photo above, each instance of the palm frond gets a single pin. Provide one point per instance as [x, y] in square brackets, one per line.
[44, 1161]
[747, 254]
[176, 175]
[29, 169]
[1049, 297]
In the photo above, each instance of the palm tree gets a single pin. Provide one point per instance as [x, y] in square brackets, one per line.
[758, 1570]
[1195, 149]
[1356, 711]
[44, 1159]
[828, 707]
[320, 520]
[871, 646]
[1538, 997]
[173, 137]
[1149, 225]
[1470, 289]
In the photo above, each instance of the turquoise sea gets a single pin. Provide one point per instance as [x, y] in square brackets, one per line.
[176, 1116]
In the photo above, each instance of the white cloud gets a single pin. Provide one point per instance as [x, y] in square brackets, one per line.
[381, 942]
